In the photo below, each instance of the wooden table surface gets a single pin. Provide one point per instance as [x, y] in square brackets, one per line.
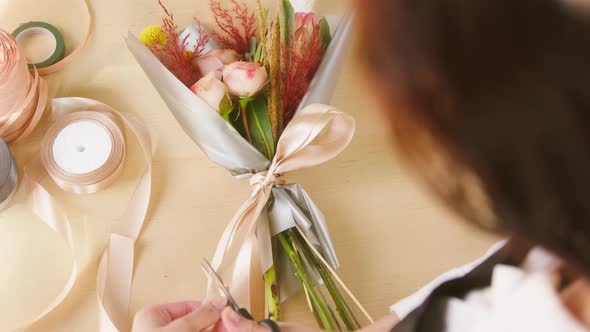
[390, 236]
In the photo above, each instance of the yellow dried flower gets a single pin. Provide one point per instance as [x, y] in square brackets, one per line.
[189, 54]
[153, 34]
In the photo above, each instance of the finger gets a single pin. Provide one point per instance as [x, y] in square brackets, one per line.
[232, 321]
[203, 317]
[162, 314]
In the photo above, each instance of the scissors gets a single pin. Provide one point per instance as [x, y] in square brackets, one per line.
[272, 325]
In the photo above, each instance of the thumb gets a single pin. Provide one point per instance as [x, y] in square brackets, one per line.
[232, 321]
[201, 319]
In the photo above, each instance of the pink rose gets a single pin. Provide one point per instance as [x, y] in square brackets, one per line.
[210, 89]
[215, 60]
[244, 79]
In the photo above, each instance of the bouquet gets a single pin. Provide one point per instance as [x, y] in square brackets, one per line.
[246, 91]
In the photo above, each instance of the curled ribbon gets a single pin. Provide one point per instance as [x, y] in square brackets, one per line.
[315, 135]
[116, 266]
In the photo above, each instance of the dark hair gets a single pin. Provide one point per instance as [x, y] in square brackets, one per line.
[490, 101]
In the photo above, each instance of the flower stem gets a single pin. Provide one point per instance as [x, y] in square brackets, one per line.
[311, 271]
[341, 306]
[243, 109]
[322, 312]
[272, 287]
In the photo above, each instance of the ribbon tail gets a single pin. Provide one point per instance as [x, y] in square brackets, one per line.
[115, 282]
[50, 214]
[237, 257]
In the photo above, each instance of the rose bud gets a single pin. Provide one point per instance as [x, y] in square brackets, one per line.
[215, 60]
[244, 79]
[210, 89]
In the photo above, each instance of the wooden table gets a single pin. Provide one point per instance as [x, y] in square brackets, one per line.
[390, 236]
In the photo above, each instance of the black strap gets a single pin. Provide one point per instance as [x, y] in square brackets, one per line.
[271, 324]
[429, 317]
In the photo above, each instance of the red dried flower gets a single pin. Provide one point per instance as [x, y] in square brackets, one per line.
[173, 54]
[236, 26]
[305, 58]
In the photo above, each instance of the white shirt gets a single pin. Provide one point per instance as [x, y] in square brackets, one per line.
[519, 299]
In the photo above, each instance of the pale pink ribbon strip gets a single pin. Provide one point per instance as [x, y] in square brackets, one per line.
[315, 135]
[115, 271]
[23, 95]
[77, 51]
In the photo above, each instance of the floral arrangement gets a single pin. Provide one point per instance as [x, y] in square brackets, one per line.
[258, 78]
[255, 68]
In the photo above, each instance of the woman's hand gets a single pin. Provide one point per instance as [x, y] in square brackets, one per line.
[179, 317]
[231, 322]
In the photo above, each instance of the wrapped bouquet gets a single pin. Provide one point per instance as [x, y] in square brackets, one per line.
[247, 91]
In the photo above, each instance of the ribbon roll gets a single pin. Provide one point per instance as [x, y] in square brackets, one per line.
[84, 152]
[23, 96]
[8, 176]
[59, 50]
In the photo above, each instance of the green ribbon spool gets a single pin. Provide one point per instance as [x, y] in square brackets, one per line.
[60, 47]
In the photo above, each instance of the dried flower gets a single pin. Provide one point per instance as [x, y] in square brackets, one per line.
[236, 26]
[152, 34]
[276, 88]
[244, 79]
[173, 55]
[306, 52]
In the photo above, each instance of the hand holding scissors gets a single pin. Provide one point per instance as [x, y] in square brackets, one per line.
[272, 325]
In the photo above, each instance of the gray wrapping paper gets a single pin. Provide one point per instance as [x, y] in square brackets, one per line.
[292, 207]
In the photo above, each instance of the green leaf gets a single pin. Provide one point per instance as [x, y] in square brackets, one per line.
[226, 107]
[259, 124]
[287, 17]
[259, 53]
[253, 47]
[325, 35]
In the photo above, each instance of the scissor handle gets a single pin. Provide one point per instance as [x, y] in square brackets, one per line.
[244, 313]
[271, 324]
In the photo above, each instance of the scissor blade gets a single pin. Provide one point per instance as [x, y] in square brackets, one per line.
[220, 285]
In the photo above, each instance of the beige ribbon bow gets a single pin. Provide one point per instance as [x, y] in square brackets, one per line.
[315, 135]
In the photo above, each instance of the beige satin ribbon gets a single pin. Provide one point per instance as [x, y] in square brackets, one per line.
[315, 135]
[23, 95]
[102, 177]
[116, 266]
